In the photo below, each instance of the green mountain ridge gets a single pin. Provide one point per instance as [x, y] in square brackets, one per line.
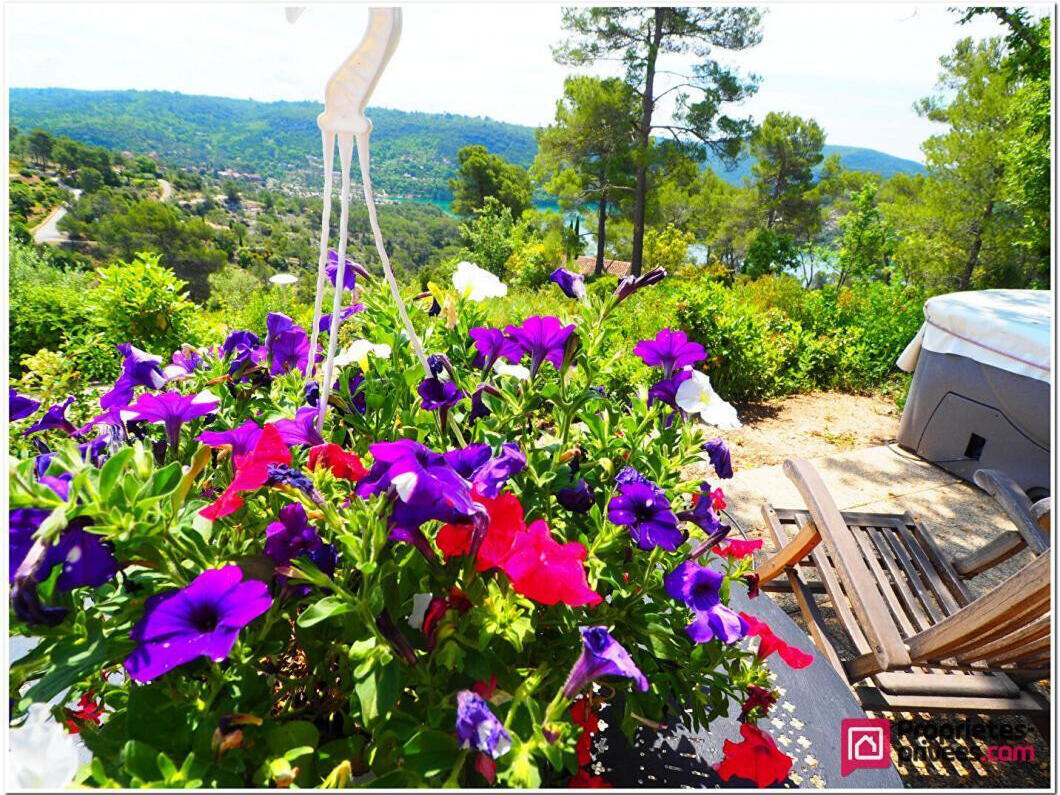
[413, 153]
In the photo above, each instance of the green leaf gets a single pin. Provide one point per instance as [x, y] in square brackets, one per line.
[328, 607]
[141, 760]
[283, 737]
[161, 483]
[113, 469]
[431, 752]
[72, 660]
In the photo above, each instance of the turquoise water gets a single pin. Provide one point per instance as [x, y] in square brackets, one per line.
[443, 204]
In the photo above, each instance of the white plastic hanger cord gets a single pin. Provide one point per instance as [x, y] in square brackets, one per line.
[328, 141]
[345, 98]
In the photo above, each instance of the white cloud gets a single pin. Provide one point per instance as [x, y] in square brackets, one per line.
[856, 67]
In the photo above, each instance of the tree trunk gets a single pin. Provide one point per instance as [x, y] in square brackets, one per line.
[977, 246]
[601, 224]
[640, 194]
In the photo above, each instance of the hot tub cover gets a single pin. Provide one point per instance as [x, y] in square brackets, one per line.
[1008, 329]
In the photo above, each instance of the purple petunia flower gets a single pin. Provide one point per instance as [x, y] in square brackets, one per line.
[477, 727]
[287, 344]
[643, 507]
[172, 409]
[241, 439]
[292, 536]
[577, 498]
[572, 284]
[468, 459]
[86, 559]
[705, 518]
[324, 326]
[201, 620]
[302, 429]
[720, 458]
[479, 409]
[490, 478]
[700, 589]
[601, 655]
[54, 417]
[283, 475]
[239, 340]
[185, 362]
[492, 345]
[665, 390]
[139, 369]
[543, 338]
[436, 394]
[19, 406]
[631, 284]
[350, 273]
[312, 393]
[669, 350]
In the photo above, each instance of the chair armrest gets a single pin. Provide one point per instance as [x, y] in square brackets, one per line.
[1016, 505]
[791, 553]
[1041, 513]
[860, 587]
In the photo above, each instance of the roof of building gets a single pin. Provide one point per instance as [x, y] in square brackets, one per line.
[615, 267]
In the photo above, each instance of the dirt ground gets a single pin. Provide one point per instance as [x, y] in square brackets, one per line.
[816, 424]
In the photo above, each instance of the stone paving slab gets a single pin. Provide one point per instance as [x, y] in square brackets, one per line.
[882, 479]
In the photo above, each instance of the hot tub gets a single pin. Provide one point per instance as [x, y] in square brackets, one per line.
[980, 395]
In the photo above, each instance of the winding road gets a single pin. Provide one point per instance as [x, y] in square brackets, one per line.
[47, 231]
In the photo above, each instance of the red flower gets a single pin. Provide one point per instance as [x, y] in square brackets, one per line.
[738, 548]
[752, 581]
[438, 607]
[537, 566]
[583, 780]
[87, 710]
[717, 499]
[252, 472]
[757, 758]
[582, 714]
[757, 697]
[485, 689]
[769, 643]
[342, 464]
[485, 765]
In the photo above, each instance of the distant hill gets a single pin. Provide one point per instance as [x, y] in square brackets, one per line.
[413, 154]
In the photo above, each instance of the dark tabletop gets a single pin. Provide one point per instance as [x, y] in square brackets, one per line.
[805, 723]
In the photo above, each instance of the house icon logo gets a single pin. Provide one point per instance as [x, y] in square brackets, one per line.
[866, 742]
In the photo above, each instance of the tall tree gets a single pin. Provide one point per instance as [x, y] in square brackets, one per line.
[586, 155]
[639, 37]
[867, 241]
[40, 146]
[482, 174]
[786, 149]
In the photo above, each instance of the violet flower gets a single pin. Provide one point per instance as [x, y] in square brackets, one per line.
[324, 326]
[669, 350]
[54, 417]
[643, 507]
[302, 429]
[239, 340]
[349, 275]
[467, 460]
[543, 338]
[284, 475]
[628, 285]
[720, 458]
[477, 727]
[704, 516]
[292, 537]
[172, 409]
[241, 439]
[665, 390]
[436, 394]
[185, 362]
[139, 369]
[492, 345]
[287, 344]
[700, 589]
[86, 559]
[201, 620]
[479, 409]
[490, 478]
[19, 406]
[577, 498]
[601, 655]
[572, 284]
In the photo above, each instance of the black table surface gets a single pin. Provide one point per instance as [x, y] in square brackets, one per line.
[805, 723]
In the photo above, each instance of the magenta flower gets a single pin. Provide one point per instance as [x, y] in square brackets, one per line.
[139, 369]
[477, 727]
[572, 284]
[492, 345]
[601, 655]
[543, 338]
[201, 620]
[302, 429]
[19, 406]
[54, 417]
[241, 440]
[172, 409]
[669, 350]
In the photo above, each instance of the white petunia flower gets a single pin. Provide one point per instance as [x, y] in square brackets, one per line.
[513, 370]
[697, 396]
[358, 352]
[41, 755]
[476, 284]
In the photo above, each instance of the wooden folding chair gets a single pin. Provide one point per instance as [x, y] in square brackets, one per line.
[916, 638]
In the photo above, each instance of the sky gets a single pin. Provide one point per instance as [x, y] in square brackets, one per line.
[857, 68]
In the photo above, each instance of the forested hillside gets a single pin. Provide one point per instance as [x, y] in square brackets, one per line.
[414, 154]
